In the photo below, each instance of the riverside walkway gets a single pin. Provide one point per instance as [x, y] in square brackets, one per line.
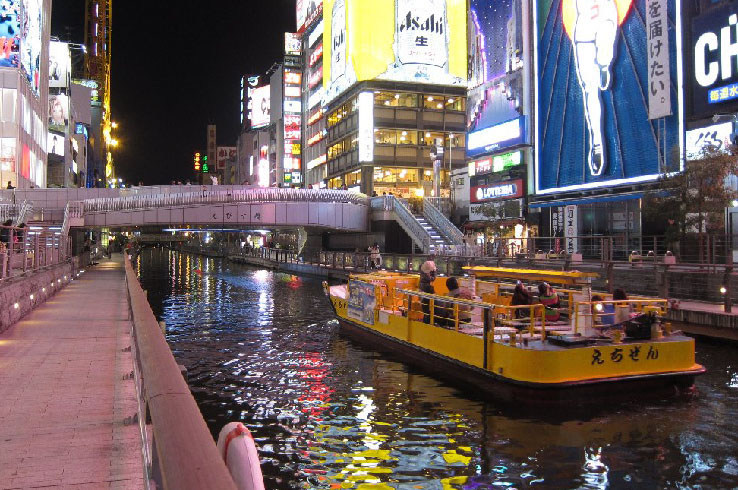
[66, 400]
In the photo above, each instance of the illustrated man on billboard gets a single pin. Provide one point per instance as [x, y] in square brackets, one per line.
[595, 31]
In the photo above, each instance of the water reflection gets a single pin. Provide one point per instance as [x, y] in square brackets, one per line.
[326, 412]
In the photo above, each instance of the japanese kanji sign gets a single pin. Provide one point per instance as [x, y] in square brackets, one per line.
[657, 39]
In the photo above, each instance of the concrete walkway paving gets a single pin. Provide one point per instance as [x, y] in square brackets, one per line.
[63, 397]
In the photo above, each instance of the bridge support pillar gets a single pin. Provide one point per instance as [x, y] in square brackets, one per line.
[367, 180]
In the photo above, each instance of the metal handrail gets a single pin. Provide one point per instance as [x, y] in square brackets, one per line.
[176, 458]
[442, 223]
[26, 209]
[29, 249]
[256, 195]
[406, 219]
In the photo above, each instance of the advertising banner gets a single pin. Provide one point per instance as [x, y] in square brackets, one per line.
[307, 12]
[59, 64]
[571, 229]
[30, 42]
[58, 113]
[260, 100]
[659, 79]
[10, 33]
[420, 41]
[497, 163]
[292, 44]
[361, 302]
[712, 138]
[366, 127]
[712, 72]
[55, 144]
[496, 210]
[497, 137]
[496, 53]
[499, 190]
[224, 154]
[591, 90]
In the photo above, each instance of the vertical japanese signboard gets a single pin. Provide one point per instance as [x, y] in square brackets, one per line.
[366, 127]
[659, 80]
[571, 229]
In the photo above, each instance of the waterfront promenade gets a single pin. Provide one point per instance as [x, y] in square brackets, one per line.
[66, 400]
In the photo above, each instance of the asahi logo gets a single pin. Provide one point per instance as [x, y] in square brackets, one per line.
[429, 24]
[421, 29]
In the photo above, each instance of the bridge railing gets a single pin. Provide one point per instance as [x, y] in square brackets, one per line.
[254, 195]
[179, 451]
[31, 248]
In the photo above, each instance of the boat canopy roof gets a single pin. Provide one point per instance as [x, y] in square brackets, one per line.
[556, 277]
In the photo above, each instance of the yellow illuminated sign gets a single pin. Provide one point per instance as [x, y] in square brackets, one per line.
[419, 41]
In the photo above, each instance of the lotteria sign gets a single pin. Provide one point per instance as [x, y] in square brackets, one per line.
[713, 69]
[511, 189]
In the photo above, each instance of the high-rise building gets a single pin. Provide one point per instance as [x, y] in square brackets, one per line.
[24, 86]
[98, 37]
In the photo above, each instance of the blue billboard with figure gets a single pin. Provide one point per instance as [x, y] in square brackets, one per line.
[495, 106]
[608, 109]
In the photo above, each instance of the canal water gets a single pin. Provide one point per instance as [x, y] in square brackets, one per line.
[327, 412]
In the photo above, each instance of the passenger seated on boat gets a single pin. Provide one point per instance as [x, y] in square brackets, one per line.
[603, 314]
[521, 297]
[624, 310]
[445, 310]
[547, 297]
[427, 276]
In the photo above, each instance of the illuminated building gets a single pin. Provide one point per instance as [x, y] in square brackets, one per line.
[498, 122]
[98, 36]
[393, 90]
[24, 63]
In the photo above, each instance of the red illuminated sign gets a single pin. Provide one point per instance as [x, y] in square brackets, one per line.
[316, 55]
[316, 76]
[510, 189]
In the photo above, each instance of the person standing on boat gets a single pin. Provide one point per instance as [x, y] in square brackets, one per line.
[547, 297]
[427, 276]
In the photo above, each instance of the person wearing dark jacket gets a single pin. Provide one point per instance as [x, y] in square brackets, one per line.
[427, 276]
[521, 297]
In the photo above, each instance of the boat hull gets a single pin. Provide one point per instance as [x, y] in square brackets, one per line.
[486, 382]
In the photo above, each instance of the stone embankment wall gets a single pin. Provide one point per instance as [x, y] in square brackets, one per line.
[22, 294]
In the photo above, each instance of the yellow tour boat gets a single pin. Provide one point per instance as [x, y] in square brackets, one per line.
[597, 348]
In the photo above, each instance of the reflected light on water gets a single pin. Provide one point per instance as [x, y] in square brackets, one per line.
[329, 412]
[595, 470]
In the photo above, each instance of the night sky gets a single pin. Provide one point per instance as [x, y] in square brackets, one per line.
[176, 68]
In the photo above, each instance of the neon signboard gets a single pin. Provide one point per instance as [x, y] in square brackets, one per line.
[592, 95]
[510, 189]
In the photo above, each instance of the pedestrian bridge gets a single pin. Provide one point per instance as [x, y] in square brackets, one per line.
[227, 208]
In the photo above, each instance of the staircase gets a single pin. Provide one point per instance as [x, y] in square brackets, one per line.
[437, 240]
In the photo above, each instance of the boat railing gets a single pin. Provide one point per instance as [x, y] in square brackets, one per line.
[470, 317]
[605, 313]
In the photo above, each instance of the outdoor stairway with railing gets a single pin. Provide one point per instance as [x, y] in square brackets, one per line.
[437, 240]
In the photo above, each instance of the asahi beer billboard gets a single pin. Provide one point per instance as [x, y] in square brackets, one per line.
[420, 41]
[496, 54]
[593, 89]
[712, 64]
